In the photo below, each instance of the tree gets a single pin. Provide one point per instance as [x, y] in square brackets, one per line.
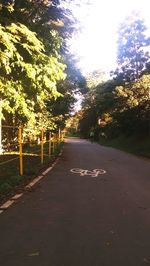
[133, 109]
[32, 48]
[132, 53]
[47, 18]
[98, 107]
[28, 75]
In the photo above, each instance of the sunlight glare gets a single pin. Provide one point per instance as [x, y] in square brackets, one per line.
[95, 43]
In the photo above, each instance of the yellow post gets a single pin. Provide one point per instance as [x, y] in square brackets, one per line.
[42, 144]
[20, 151]
[53, 143]
[49, 148]
[52, 146]
[56, 140]
[59, 136]
[62, 136]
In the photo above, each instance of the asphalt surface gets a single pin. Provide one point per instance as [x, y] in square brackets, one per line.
[80, 219]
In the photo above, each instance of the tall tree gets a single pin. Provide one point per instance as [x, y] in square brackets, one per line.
[132, 53]
[32, 48]
[28, 75]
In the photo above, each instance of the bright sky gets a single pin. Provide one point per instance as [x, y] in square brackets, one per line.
[95, 45]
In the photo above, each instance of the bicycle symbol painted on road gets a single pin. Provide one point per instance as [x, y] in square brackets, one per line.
[83, 172]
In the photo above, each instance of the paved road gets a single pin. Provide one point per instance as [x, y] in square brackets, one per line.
[80, 220]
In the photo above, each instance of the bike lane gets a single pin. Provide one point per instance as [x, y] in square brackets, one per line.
[72, 218]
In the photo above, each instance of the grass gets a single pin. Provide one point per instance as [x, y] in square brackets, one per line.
[10, 180]
[137, 146]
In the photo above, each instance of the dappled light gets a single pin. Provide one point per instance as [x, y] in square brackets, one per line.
[74, 112]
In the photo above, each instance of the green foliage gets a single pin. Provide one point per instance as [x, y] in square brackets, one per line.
[138, 93]
[32, 41]
[28, 75]
[72, 125]
[134, 105]
[98, 107]
[113, 110]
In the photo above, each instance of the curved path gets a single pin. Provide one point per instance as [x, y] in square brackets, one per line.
[79, 217]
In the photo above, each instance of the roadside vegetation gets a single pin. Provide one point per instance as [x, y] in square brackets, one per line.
[38, 82]
[118, 109]
[139, 147]
[10, 179]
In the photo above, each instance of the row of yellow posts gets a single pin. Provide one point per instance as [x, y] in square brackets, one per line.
[53, 141]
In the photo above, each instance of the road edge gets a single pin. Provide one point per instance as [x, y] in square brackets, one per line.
[28, 187]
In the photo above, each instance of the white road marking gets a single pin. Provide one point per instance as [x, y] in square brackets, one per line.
[31, 184]
[7, 204]
[47, 170]
[17, 196]
[83, 172]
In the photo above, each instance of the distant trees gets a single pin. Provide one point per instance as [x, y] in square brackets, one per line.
[98, 109]
[122, 105]
[133, 112]
[95, 78]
